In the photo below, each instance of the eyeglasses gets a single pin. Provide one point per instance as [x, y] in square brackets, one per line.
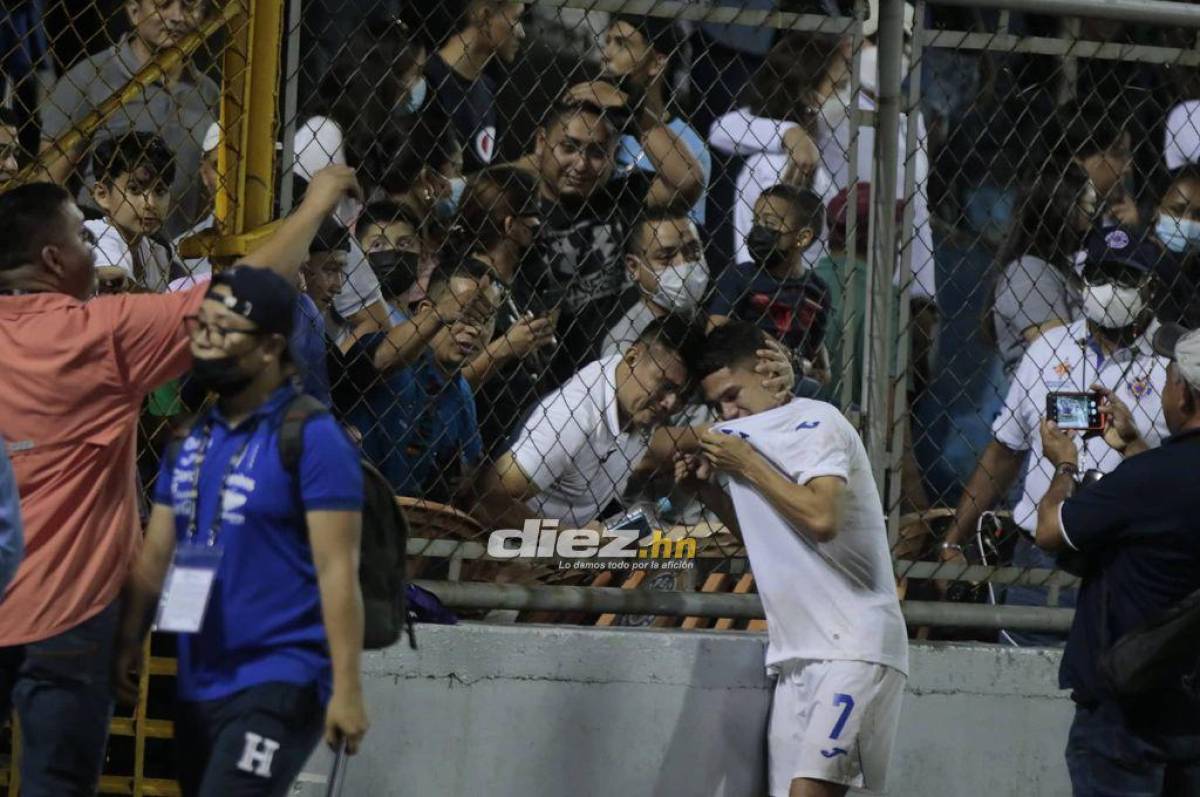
[194, 324]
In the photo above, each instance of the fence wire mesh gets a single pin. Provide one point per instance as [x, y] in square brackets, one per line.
[543, 181]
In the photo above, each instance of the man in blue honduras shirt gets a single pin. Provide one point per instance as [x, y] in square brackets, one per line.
[259, 562]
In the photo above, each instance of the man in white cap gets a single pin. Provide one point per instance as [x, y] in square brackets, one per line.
[1137, 538]
[208, 178]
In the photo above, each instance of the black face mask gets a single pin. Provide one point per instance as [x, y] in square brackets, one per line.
[220, 375]
[763, 244]
[396, 270]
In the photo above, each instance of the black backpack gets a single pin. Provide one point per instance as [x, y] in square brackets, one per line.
[381, 570]
[1160, 655]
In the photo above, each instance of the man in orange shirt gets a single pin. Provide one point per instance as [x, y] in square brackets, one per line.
[75, 373]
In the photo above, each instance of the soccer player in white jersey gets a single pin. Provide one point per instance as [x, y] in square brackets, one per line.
[798, 489]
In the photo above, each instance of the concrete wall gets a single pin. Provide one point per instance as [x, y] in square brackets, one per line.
[542, 711]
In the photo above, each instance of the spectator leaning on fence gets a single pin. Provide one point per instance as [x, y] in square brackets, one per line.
[269, 655]
[586, 214]
[1135, 536]
[1037, 287]
[393, 238]
[76, 373]
[134, 173]
[802, 496]
[1109, 347]
[637, 56]
[776, 290]
[576, 451]
[666, 265]
[179, 106]
[458, 84]
[419, 424]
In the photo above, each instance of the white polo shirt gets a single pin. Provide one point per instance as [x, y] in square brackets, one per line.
[572, 448]
[825, 601]
[1066, 359]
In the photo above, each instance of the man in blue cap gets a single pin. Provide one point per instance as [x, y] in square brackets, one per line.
[1110, 348]
[257, 561]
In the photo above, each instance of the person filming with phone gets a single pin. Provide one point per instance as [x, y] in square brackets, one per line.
[1135, 536]
[1070, 370]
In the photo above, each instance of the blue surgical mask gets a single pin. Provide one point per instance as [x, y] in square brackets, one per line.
[446, 208]
[416, 96]
[1177, 234]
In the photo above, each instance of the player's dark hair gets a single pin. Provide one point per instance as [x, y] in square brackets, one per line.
[726, 346]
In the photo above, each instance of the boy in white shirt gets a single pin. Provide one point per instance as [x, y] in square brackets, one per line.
[801, 494]
[134, 173]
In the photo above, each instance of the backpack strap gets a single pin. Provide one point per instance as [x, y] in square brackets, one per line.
[291, 429]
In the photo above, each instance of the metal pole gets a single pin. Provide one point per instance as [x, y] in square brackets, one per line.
[887, 153]
[291, 89]
[899, 422]
[852, 304]
[1153, 12]
[599, 600]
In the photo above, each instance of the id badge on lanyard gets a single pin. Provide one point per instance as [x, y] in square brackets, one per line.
[188, 588]
[189, 583]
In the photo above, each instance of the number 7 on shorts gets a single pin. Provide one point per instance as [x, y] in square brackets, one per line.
[847, 703]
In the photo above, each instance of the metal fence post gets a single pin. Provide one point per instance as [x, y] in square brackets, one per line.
[882, 265]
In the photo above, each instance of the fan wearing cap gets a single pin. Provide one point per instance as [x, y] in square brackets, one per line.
[1137, 540]
[1111, 347]
[208, 180]
[269, 661]
[76, 372]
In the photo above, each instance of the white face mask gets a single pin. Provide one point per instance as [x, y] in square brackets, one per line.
[681, 288]
[1111, 306]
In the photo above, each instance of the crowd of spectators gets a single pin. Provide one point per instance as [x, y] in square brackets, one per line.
[503, 319]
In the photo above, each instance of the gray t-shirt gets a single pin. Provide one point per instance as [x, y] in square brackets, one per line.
[1029, 292]
[180, 113]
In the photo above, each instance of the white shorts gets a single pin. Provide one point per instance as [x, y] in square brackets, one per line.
[833, 721]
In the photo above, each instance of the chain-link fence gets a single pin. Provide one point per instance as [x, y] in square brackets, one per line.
[542, 182]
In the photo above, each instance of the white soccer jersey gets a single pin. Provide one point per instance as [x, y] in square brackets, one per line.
[824, 601]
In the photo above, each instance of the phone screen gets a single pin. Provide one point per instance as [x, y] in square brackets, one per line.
[1073, 411]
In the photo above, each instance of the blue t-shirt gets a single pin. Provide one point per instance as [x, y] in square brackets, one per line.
[1139, 530]
[307, 345]
[12, 533]
[794, 311]
[419, 428]
[630, 153]
[263, 623]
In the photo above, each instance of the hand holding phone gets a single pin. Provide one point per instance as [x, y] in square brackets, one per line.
[1076, 411]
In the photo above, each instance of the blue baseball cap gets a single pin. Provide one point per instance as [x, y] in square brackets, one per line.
[259, 295]
[1123, 246]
